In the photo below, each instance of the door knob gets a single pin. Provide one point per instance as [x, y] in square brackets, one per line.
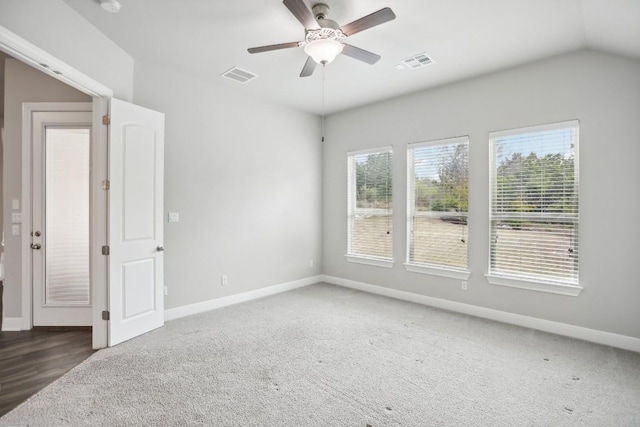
[36, 246]
[160, 249]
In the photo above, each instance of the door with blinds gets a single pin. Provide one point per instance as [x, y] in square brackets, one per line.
[60, 238]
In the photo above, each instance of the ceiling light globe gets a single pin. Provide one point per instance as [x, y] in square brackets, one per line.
[323, 51]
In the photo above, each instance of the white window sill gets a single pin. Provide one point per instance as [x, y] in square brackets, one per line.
[378, 262]
[438, 271]
[554, 288]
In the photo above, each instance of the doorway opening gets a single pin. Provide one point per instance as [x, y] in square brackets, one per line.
[17, 314]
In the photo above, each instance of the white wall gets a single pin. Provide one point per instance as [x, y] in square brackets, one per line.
[602, 91]
[245, 177]
[59, 30]
[22, 84]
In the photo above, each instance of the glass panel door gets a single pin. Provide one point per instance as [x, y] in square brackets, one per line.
[67, 174]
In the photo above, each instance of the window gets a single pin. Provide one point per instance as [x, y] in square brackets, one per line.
[370, 213]
[534, 208]
[438, 200]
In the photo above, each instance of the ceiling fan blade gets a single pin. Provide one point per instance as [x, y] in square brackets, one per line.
[272, 47]
[360, 54]
[376, 18]
[308, 68]
[302, 14]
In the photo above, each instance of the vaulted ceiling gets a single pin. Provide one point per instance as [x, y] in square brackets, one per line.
[465, 38]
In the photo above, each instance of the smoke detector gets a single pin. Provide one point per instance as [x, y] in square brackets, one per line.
[112, 6]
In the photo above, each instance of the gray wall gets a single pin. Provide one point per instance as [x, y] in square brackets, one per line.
[1, 175]
[3, 56]
[22, 84]
[245, 177]
[602, 91]
[2, 59]
[59, 30]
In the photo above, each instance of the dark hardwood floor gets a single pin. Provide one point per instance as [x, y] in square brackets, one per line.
[30, 360]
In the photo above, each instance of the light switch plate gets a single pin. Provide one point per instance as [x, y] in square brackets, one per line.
[174, 217]
[15, 204]
[16, 217]
[15, 230]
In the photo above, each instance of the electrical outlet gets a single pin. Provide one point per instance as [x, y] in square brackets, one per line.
[464, 285]
[15, 230]
[224, 280]
[166, 290]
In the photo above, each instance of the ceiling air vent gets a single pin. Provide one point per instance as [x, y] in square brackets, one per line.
[239, 75]
[417, 61]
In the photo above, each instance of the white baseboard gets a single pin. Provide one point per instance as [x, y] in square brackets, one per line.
[200, 307]
[593, 335]
[12, 324]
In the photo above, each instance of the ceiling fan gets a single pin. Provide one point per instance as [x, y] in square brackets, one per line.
[324, 37]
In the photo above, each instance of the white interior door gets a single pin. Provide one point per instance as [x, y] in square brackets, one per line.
[136, 173]
[60, 237]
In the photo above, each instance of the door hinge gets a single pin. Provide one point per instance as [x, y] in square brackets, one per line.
[106, 184]
[106, 120]
[105, 250]
[105, 315]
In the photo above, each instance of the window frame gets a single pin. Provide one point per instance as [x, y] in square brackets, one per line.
[351, 202]
[426, 268]
[524, 281]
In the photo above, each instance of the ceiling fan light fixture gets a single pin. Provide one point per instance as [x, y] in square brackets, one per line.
[323, 51]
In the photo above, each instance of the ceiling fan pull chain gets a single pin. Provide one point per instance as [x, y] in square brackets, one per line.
[322, 123]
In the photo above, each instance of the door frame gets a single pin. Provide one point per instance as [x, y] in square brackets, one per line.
[21, 49]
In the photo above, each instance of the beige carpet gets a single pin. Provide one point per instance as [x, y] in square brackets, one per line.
[328, 356]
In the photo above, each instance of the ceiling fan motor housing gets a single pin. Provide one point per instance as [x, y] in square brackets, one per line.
[320, 11]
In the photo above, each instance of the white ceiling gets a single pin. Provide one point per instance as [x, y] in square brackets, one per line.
[465, 38]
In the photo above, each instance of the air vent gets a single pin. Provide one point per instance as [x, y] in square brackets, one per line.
[239, 75]
[417, 61]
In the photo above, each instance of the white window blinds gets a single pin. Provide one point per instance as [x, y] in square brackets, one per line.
[370, 213]
[67, 216]
[534, 204]
[438, 194]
